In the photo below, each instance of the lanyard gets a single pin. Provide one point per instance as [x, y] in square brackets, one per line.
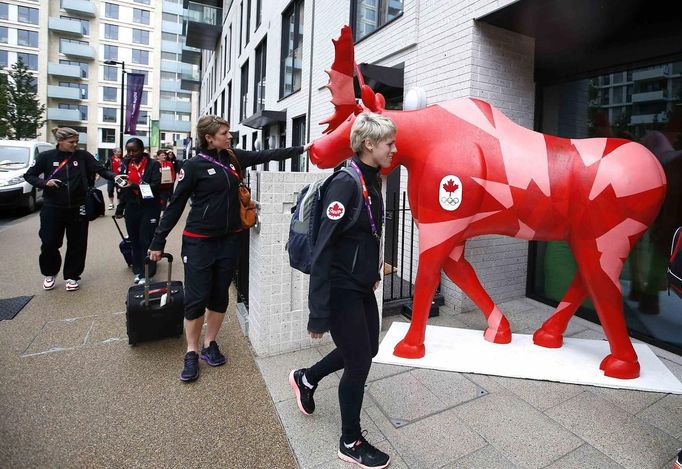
[226, 168]
[365, 196]
[61, 165]
[142, 165]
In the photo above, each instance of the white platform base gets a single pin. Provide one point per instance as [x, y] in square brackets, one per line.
[577, 362]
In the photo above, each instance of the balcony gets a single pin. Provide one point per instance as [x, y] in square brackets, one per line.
[191, 55]
[80, 51]
[202, 24]
[173, 105]
[169, 27]
[648, 96]
[170, 66]
[82, 138]
[80, 7]
[172, 7]
[63, 92]
[170, 46]
[170, 85]
[173, 125]
[65, 26]
[63, 115]
[650, 73]
[649, 118]
[61, 70]
[190, 80]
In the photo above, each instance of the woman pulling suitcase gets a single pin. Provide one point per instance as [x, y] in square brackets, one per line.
[211, 238]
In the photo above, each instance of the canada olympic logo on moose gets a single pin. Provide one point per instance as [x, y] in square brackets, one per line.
[450, 193]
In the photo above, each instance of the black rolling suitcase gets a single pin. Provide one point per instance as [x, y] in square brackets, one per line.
[125, 246]
[146, 317]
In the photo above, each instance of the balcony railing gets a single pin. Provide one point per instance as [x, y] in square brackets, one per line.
[63, 92]
[62, 70]
[64, 115]
[65, 26]
[202, 25]
[80, 7]
[81, 51]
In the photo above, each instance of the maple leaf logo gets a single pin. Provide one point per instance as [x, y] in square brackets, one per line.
[335, 210]
[450, 186]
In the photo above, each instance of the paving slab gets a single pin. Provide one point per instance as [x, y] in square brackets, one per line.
[540, 394]
[585, 457]
[484, 458]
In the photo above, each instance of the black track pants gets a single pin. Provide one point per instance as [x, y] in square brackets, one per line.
[54, 222]
[355, 329]
[141, 221]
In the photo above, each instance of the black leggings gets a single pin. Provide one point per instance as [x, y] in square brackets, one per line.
[141, 221]
[54, 222]
[355, 329]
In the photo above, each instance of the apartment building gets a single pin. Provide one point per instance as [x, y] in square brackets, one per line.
[79, 49]
[564, 68]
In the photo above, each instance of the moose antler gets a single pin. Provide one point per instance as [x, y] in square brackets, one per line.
[341, 80]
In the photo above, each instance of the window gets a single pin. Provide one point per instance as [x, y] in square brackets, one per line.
[3, 35]
[111, 31]
[140, 36]
[110, 73]
[4, 11]
[369, 15]
[292, 49]
[109, 93]
[108, 135]
[31, 60]
[248, 21]
[85, 24]
[140, 56]
[244, 94]
[144, 98]
[83, 87]
[241, 26]
[28, 15]
[142, 118]
[259, 76]
[140, 16]
[3, 59]
[83, 66]
[109, 114]
[170, 17]
[259, 12]
[27, 38]
[170, 56]
[145, 73]
[111, 10]
[144, 2]
[110, 52]
[169, 37]
[83, 110]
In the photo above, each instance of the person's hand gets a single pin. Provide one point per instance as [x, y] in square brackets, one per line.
[376, 285]
[316, 335]
[53, 183]
[121, 180]
[154, 255]
[307, 146]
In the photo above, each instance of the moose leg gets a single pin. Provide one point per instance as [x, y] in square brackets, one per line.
[463, 275]
[600, 272]
[428, 276]
[551, 334]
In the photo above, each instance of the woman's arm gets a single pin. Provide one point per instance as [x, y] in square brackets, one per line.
[250, 158]
[174, 209]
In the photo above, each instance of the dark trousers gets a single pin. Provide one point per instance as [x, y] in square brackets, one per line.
[355, 329]
[54, 222]
[141, 221]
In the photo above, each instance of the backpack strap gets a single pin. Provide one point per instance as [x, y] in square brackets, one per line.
[359, 202]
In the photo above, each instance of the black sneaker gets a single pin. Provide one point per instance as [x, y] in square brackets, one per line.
[363, 454]
[304, 394]
[212, 355]
[190, 371]
[677, 464]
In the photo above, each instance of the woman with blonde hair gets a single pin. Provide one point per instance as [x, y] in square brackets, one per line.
[212, 234]
[67, 172]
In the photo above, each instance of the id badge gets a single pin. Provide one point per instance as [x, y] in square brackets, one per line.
[146, 191]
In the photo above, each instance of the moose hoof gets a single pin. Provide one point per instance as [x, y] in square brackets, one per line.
[498, 336]
[621, 369]
[404, 349]
[547, 339]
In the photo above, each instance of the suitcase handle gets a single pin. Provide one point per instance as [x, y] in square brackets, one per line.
[113, 217]
[147, 260]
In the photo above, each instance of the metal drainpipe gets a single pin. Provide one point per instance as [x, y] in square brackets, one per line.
[310, 87]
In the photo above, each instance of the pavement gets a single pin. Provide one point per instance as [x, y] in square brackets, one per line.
[73, 393]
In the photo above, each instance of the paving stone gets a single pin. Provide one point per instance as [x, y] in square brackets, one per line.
[631, 442]
[275, 371]
[315, 438]
[60, 335]
[108, 328]
[627, 399]
[431, 442]
[451, 388]
[540, 394]
[675, 368]
[589, 334]
[585, 457]
[526, 436]
[665, 414]
[484, 458]
[382, 370]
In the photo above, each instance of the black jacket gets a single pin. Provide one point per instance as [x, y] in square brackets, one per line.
[76, 181]
[130, 194]
[213, 193]
[345, 257]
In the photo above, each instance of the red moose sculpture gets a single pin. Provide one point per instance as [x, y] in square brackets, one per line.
[472, 171]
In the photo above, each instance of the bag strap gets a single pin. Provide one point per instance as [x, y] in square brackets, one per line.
[359, 203]
[84, 173]
[676, 246]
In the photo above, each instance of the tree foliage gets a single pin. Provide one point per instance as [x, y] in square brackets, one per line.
[21, 114]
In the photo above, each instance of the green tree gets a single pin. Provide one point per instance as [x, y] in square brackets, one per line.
[25, 112]
[5, 127]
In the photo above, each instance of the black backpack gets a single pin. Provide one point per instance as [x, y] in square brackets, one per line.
[675, 264]
[305, 220]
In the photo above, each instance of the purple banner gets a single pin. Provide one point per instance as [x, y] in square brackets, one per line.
[135, 85]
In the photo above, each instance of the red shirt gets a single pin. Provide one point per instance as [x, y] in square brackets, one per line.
[136, 171]
[116, 165]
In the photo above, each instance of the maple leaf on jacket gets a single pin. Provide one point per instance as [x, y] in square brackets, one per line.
[450, 186]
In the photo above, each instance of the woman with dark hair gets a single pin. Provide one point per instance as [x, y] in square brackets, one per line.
[211, 239]
[140, 204]
[67, 172]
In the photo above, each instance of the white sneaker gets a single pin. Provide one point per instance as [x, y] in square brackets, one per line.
[72, 285]
[136, 279]
[48, 283]
[110, 207]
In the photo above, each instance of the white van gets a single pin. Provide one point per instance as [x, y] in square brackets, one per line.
[16, 156]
